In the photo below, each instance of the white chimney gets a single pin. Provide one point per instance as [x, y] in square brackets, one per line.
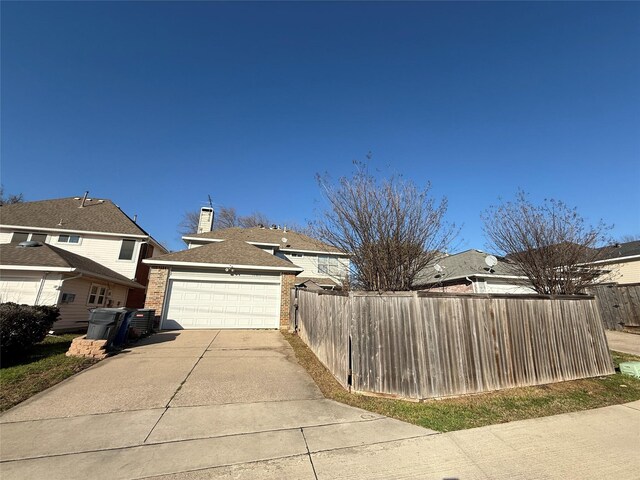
[205, 222]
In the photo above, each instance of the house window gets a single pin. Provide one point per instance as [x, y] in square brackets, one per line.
[126, 250]
[39, 237]
[20, 237]
[68, 298]
[24, 236]
[75, 239]
[97, 295]
[297, 255]
[328, 265]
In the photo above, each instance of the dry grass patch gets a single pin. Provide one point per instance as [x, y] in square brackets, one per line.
[482, 409]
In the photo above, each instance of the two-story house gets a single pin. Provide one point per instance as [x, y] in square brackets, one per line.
[78, 253]
[240, 277]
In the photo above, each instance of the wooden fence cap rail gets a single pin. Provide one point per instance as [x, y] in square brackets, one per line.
[431, 294]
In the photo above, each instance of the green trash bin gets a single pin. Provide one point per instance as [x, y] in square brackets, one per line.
[104, 323]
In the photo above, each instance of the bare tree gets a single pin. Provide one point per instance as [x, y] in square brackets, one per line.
[225, 217]
[9, 199]
[254, 220]
[550, 243]
[392, 228]
[189, 223]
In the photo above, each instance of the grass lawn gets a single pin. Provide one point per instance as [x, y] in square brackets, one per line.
[44, 366]
[482, 409]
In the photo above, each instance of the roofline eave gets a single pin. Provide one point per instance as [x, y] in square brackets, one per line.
[169, 263]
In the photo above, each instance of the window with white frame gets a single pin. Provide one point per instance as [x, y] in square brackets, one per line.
[97, 295]
[297, 255]
[73, 239]
[329, 265]
[126, 250]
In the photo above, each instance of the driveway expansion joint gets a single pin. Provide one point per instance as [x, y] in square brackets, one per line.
[179, 387]
[313, 467]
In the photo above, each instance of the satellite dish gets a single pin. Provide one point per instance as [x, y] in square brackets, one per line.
[491, 261]
[438, 268]
[284, 239]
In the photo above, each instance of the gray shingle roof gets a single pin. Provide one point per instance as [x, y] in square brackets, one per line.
[227, 252]
[319, 281]
[620, 250]
[295, 240]
[47, 255]
[464, 264]
[66, 214]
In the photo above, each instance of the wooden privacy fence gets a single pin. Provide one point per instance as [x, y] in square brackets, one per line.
[619, 305]
[420, 346]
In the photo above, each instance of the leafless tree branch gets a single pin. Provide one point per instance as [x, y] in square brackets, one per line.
[550, 243]
[392, 228]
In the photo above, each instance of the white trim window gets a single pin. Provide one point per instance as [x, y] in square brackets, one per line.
[97, 295]
[329, 265]
[70, 239]
[126, 250]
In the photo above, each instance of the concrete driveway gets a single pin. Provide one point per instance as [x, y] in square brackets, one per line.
[235, 404]
[623, 342]
[183, 401]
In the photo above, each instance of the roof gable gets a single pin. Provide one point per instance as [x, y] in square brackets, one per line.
[227, 252]
[465, 264]
[67, 214]
[620, 250]
[275, 236]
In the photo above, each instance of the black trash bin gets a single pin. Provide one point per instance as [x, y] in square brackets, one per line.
[104, 323]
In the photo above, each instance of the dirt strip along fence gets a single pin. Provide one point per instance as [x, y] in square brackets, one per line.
[619, 305]
[418, 346]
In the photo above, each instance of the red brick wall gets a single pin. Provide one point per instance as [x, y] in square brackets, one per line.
[158, 277]
[288, 282]
[136, 295]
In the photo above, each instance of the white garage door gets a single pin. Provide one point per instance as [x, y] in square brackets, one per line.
[222, 304]
[19, 289]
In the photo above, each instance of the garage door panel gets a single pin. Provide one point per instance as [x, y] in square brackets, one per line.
[199, 304]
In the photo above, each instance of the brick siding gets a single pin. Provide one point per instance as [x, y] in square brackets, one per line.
[288, 282]
[158, 277]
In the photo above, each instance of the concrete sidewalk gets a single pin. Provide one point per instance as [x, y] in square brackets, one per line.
[623, 342]
[235, 404]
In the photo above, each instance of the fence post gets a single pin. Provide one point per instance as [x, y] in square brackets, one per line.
[293, 310]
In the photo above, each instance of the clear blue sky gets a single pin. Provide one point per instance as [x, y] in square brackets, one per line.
[157, 105]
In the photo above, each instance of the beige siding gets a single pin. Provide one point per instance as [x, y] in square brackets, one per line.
[5, 236]
[102, 249]
[26, 287]
[623, 273]
[75, 314]
[495, 286]
[105, 251]
[309, 262]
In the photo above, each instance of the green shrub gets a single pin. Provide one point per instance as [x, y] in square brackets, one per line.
[22, 326]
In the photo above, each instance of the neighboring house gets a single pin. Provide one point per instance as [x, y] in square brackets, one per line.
[239, 278]
[35, 273]
[91, 228]
[622, 261]
[469, 272]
